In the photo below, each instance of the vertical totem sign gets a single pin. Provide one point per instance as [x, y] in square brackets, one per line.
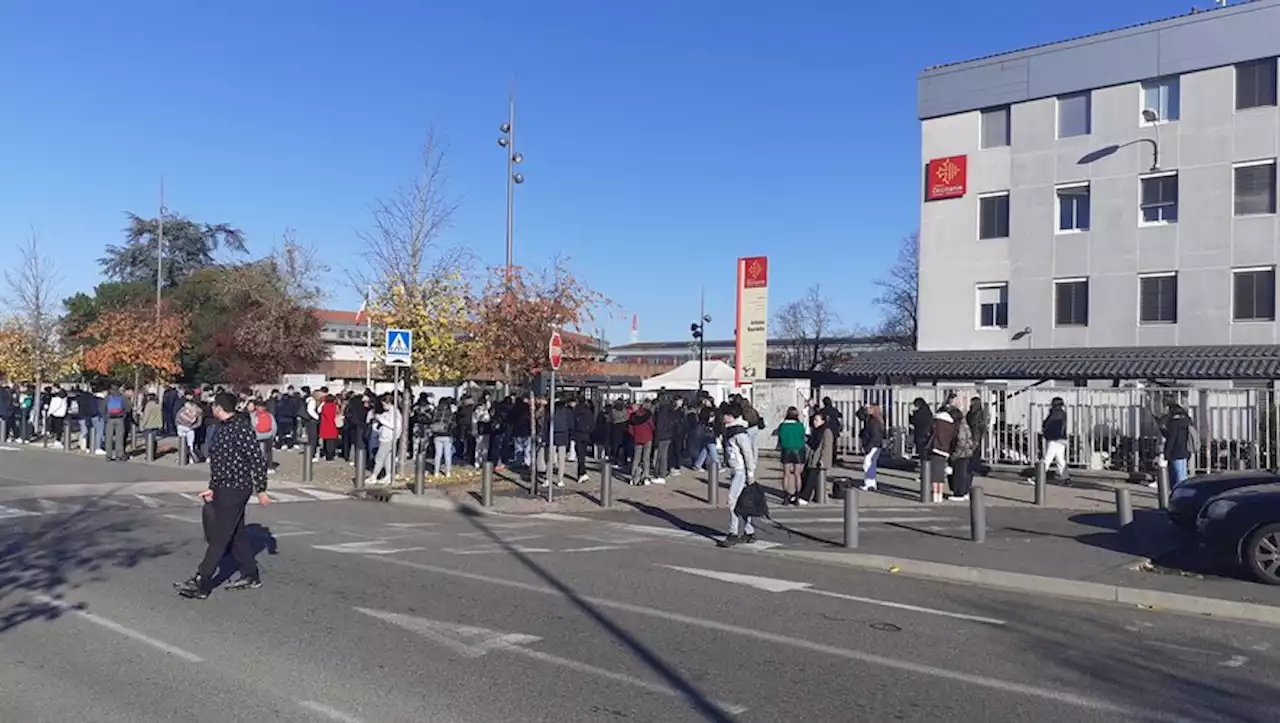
[751, 351]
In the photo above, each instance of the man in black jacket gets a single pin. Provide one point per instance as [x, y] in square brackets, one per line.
[237, 470]
[1179, 440]
[584, 422]
[1054, 431]
[666, 421]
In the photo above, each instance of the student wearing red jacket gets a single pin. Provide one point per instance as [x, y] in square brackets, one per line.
[641, 427]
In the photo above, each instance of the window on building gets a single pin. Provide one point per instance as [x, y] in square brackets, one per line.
[1256, 84]
[1255, 188]
[1158, 302]
[1255, 294]
[1075, 116]
[1073, 208]
[1161, 96]
[993, 216]
[1160, 199]
[1072, 302]
[995, 127]
[993, 306]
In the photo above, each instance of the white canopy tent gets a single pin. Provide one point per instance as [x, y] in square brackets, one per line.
[717, 379]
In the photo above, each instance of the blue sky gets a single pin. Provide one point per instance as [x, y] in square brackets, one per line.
[663, 139]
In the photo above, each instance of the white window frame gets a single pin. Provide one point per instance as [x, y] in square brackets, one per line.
[977, 304]
[1275, 298]
[1071, 280]
[1157, 275]
[1057, 114]
[1008, 221]
[1160, 174]
[1057, 208]
[1275, 185]
[1142, 100]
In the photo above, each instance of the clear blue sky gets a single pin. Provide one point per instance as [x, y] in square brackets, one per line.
[663, 138]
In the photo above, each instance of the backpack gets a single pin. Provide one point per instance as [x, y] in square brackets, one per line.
[73, 407]
[752, 502]
[262, 421]
[964, 445]
[115, 406]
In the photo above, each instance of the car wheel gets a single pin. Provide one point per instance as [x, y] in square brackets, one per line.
[1262, 554]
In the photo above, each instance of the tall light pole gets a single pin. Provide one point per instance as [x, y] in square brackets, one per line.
[699, 329]
[508, 142]
[160, 250]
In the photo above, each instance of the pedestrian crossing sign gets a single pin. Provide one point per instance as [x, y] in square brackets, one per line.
[399, 349]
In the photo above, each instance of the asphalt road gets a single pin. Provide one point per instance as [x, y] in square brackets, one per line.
[379, 613]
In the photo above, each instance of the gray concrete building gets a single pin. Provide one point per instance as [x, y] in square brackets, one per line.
[1115, 190]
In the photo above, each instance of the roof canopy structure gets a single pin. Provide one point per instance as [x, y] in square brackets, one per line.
[685, 376]
[1261, 362]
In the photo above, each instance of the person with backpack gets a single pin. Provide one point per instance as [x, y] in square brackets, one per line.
[189, 418]
[961, 461]
[116, 409]
[791, 438]
[742, 465]
[264, 428]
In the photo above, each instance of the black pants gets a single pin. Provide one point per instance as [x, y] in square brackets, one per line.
[809, 487]
[330, 449]
[224, 530]
[581, 447]
[961, 476]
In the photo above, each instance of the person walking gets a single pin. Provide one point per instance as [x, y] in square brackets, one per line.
[791, 444]
[821, 456]
[237, 471]
[188, 419]
[1054, 431]
[742, 465]
[265, 429]
[388, 425]
[872, 439]
[1179, 441]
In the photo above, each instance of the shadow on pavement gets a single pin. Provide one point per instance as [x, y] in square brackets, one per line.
[51, 555]
[672, 677]
[674, 520]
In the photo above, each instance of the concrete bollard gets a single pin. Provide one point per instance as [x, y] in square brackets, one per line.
[926, 479]
[308, 462]
[66, 436]
[184, 451]
[1124, 509]
[419, 473]
[486, 485]
[151, 445]
[850, 517]
[361, 470]
[1041, 483]
[713, 482]
[823, 495]
[606, 485]
[4, 431]
[977, 515]
[1162, 485]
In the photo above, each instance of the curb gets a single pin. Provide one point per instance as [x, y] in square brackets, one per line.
[1049, 586]
[434, 500]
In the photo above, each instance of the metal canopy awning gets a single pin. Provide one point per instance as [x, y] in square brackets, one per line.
[1256, 362]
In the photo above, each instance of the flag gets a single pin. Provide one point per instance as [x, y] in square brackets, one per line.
[364, 307]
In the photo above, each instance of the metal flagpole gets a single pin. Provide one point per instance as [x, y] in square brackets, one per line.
[160, 250]
[368, 342]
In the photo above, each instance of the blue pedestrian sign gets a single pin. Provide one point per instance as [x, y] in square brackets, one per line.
[399, 349]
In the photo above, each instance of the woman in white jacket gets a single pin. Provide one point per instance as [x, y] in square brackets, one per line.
[388, 422]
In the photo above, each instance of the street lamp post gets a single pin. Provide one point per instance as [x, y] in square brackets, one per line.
[508, 142]
[160, 250]
[698, 329]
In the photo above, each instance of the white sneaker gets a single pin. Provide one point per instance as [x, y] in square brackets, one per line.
[658, 481]
[102, 452]
[801, 501]
[584, 478]
[869, 486]
[559, 483]
[675, 472]
[959, 498]
[1153, 485]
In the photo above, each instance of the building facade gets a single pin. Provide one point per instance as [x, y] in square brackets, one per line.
[1115, 190]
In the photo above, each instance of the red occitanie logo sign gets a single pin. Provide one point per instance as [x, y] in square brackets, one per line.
[946, 178]
[755, 273]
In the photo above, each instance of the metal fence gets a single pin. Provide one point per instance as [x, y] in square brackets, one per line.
[1109, 429]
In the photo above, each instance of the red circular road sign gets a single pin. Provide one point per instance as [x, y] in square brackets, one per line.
[555, 351]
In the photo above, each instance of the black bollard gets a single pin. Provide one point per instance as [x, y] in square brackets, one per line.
[977, 515]
[713, 482]
[606, 485]
[1041, 484]
[1124, 509]
[1162, 485]
[151, 445]
[926, 479]
[360, 465]
[308, 460]
[419, 472]
[850, 517]
[66, 436]
[486, 485]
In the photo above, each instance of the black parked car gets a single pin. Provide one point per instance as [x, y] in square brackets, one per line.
[1242, 527]
[1186, 501]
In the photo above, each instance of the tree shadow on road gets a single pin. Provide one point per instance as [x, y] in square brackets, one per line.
[705, 707]
[44, 557]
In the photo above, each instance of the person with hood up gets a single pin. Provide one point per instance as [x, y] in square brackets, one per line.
[791, 439]
[921, 427]
[872, 439]
[1179, 441]
[821, 455]
[641, 428]
[1054, 431]
[666, 422]
[742, 465]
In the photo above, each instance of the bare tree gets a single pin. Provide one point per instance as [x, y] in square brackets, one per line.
[808, 329]
[899, 298]
[33, 303]
[301, 270]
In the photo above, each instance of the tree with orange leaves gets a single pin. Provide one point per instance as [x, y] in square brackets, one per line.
[128, 343]
[517, 313]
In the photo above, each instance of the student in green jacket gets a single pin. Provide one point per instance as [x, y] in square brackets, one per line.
[791, 440]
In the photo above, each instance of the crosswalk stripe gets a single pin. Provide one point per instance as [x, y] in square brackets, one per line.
[54, 508]
[861, 519]
[321, 494]
[193, 498]
[148, 502]
[281, 497]
[9, 512]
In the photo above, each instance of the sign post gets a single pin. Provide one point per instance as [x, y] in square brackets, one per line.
[398, 352]
[751, 335]
[555, 355]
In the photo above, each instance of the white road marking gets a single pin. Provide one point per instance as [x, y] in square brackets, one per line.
[109, 502]
[864, 519]
[321, 494]
[473, 642]
[594, 548]
[413, 524]
[55, 508]
[982, 681]
[1236, 661]
[118, 628]
[293, 533]
[8, 449]
[185, 518]
[366, 547]
[8, 512]
[148, 502]
[904, 606]
[281, 497]
[194, 498]
[328, 711]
